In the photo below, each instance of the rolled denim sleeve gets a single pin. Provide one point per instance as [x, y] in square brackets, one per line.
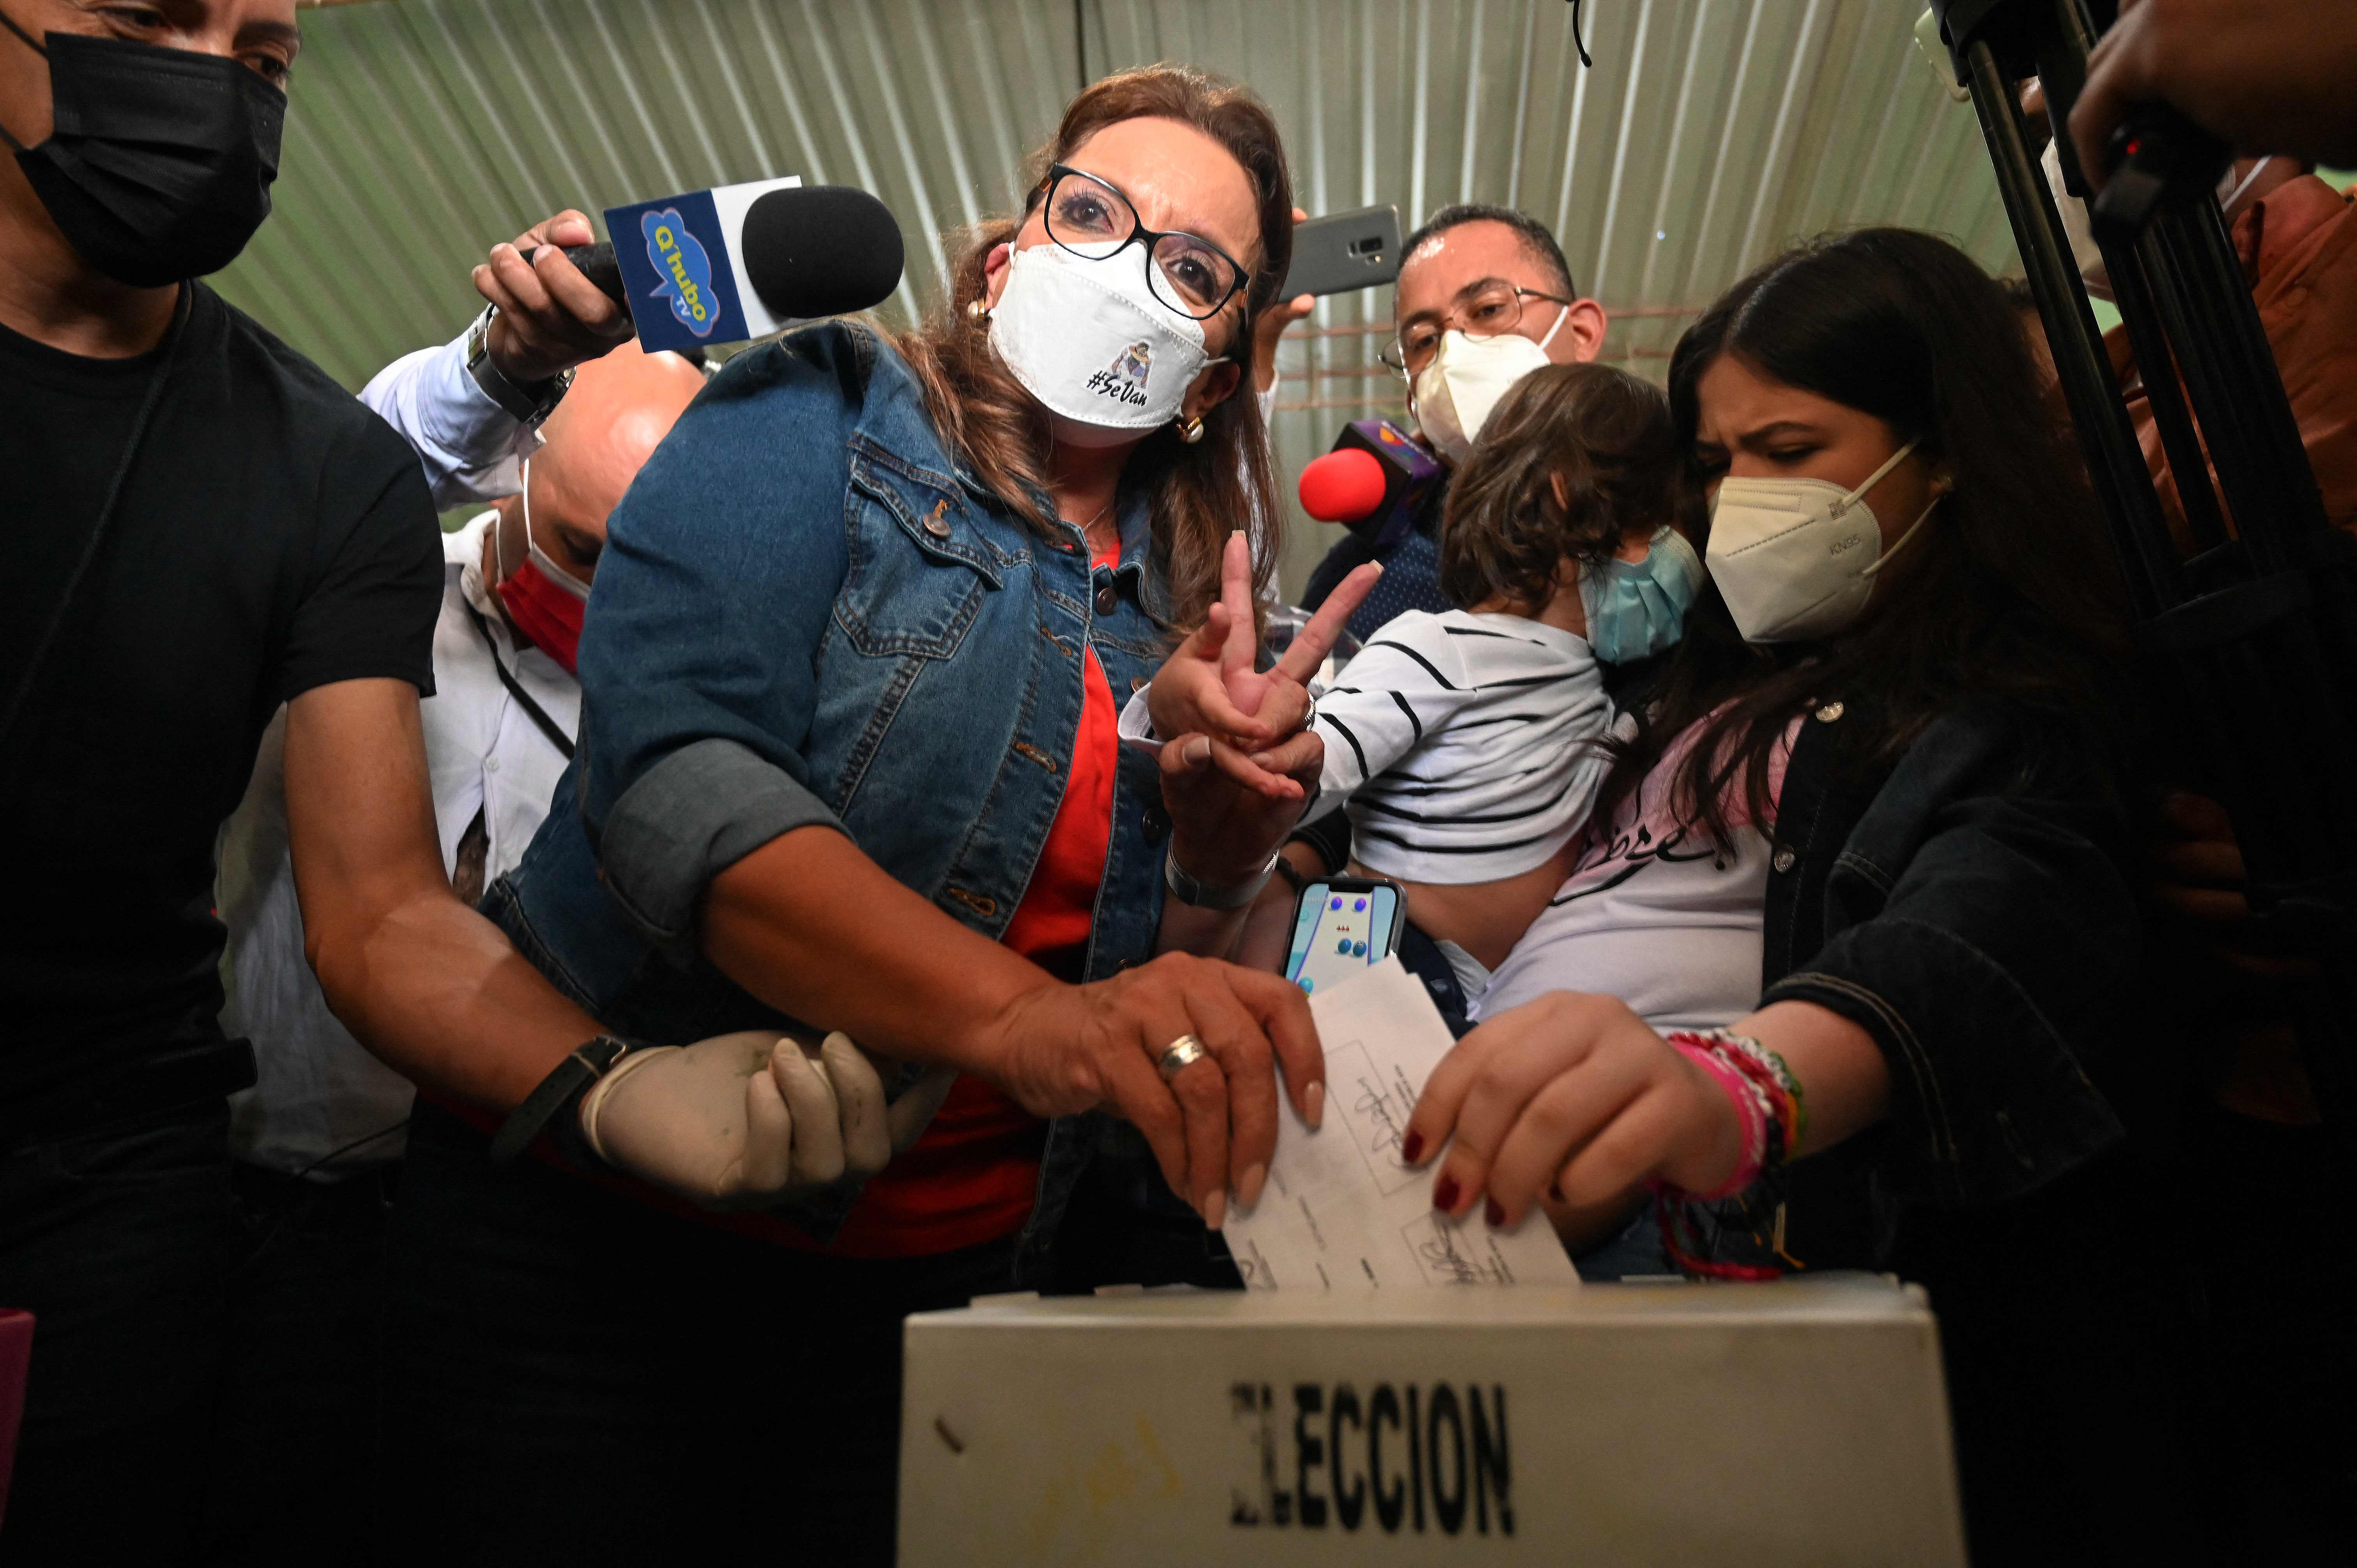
[699, 655]
[1985, 938]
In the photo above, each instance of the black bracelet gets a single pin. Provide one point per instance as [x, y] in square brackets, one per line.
[1292, 875]
[556, 1097]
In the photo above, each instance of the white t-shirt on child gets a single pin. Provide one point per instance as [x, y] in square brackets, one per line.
[1466, 745]
[1654, 913]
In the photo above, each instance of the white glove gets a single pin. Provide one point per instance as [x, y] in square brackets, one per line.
[742, 1120]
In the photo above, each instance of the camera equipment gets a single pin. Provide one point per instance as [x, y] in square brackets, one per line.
[2253, 639]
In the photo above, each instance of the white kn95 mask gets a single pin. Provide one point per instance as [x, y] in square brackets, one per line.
[1795, 559]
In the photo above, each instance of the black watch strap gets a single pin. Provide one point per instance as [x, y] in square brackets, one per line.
[584, 1066]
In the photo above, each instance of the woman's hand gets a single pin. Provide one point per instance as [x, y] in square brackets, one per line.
[1063, 1049]
[1573, 1096]
[1209, 687]
[740, 1121]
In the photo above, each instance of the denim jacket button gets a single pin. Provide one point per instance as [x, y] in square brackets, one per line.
[1785, 860]
[1157, 823]
[1829, 712]
[1107, 600]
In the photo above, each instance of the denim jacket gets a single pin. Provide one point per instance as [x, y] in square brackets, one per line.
[809, 612]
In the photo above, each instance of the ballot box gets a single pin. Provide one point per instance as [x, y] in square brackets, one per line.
[1798, 1422]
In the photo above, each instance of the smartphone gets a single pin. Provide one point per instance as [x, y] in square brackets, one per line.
[1344, 250]
[1341, 927]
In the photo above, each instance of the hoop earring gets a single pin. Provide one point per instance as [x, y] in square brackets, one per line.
[1190, 430]
[977, 309]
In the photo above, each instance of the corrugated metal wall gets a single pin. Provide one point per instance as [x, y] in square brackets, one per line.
[1708, 135]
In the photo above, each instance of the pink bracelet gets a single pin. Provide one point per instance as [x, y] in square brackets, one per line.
[1750, 1108]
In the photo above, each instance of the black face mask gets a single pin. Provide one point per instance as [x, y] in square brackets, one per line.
[159, 164]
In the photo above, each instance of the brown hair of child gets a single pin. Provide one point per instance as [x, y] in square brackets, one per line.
[1571, 461]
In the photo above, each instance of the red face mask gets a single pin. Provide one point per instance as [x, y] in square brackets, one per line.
[545, 601]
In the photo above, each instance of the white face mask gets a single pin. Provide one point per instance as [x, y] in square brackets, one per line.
[1795, 559]
[2231, 190]
[2084, 253]
[1468, 378]
[1090, 342]
[533, 553]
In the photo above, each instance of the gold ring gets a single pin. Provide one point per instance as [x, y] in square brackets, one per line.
[1178, 1056]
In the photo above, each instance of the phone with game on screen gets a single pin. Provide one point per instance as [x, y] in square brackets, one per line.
[1343, 926]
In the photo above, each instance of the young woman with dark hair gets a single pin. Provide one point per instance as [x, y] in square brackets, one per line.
[1893, 728]
[1850, 944]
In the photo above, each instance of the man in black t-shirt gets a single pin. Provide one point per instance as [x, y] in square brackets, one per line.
[196, 525]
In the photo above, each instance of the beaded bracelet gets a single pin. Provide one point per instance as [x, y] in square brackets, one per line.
[1766, 1099]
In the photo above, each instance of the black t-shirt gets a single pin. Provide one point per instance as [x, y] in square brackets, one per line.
[272, 535]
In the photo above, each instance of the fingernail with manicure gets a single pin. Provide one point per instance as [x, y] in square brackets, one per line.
[1494, 1212]
[1248, 1189]
[1313, 1099]
[1215, 1208]
[1444, 1195]
[1411, 1147]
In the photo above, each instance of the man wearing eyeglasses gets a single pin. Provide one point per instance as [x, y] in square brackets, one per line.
[1484, 297]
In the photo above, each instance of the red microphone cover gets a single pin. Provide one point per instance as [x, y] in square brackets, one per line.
[1342, 486]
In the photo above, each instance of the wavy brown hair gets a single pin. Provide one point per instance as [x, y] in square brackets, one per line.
[1198, 494]
[1605, 434]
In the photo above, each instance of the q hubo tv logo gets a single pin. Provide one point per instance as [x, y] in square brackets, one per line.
[686, 268]
[1124, 381]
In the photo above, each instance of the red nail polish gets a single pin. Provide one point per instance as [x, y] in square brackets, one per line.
[1444, 1195]
[1411, 1147]
[1495, 1213]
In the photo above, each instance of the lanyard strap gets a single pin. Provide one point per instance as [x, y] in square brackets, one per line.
[13, 708]
[534, 711]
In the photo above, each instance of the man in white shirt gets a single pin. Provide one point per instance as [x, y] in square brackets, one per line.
[318, 1140]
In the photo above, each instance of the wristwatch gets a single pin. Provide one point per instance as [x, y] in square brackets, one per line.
[560, 1091]
[1205, 896]
[529, 404]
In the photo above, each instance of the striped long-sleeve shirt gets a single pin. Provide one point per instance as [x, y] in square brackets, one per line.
[1466, 745]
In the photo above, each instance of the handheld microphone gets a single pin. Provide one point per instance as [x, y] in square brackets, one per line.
[785, 252]
[1373, 480]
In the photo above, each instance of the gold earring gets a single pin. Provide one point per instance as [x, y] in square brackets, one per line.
[977, 309]
[1190, 430]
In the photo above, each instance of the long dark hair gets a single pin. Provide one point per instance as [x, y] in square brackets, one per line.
[1605, 433]
[2011, 594]
[1197, 493]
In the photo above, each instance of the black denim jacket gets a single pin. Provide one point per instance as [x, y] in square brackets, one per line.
[1969, 908]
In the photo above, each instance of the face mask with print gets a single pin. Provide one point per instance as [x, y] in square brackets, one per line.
[546, 602]
[1467, 379]
[1795, 559]
[159, 163]
[1636, 609]
[1089, 340]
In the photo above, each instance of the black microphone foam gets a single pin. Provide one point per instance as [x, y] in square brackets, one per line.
[820, 250]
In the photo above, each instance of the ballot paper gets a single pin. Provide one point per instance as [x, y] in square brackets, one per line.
[1342, 1210]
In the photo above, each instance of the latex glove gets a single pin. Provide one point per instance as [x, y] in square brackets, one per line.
[742, 1120]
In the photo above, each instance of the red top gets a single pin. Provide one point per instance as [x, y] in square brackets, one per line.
[970, 1179]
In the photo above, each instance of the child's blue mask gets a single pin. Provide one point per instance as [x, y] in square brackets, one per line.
[1636, 609]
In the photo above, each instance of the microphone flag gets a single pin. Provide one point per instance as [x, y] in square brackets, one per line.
[682, 269]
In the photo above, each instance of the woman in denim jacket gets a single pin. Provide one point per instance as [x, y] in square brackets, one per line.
[849, 757]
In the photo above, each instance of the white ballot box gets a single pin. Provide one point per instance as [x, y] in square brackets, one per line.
[1800, 1423]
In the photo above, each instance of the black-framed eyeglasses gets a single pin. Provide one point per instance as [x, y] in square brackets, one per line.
[1093, 217]
[1492, 312]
